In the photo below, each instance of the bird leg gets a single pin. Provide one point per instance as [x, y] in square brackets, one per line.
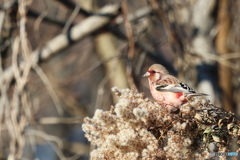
[165, 105]
[188, 97]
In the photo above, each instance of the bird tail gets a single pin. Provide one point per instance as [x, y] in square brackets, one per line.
[196, 94]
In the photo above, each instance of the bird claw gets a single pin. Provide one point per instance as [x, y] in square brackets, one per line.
[169, 106]
[188, 97]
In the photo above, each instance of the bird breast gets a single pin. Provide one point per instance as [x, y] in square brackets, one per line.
[172, 98]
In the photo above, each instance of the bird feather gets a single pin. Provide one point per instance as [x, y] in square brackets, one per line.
[178, 89]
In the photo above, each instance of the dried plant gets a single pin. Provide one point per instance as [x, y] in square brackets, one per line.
[139, 128]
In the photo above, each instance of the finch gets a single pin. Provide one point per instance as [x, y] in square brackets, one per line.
[167, 90]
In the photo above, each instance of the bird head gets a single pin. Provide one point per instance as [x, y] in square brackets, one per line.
[155, 71]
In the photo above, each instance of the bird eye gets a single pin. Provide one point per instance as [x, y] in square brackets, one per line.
[153, 71]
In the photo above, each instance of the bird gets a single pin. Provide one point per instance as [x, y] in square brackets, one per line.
[166, 89]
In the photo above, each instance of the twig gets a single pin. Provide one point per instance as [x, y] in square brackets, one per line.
[18, 124]
[61, 41]
[229, 56]
[2, 15]
[57, 120]
[49, 139]
[39, 18]
[154, 4]
[15, 49]
[32, 13]
[45, 136]
[99, 63]
[118, 33]
[10, 127]
[49, 87]
[8, 5]
[138, 14]
[131, 44]
[119, 20]
[71, 18]
[58, 151]
[129, 31]
[24, 43]
[140, 63]
[72, 5]
[100, 91]
[222, 59]
[156, 56]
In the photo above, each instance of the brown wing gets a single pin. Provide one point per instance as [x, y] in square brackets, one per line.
[167, 79]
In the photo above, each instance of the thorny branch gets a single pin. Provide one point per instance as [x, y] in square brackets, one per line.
[131, 45]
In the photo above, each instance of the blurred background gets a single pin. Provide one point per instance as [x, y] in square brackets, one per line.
[60, 59]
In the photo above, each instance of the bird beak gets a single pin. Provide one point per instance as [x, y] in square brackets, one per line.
[146, 74]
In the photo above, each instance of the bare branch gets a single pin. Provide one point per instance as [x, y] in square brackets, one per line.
[57, 120]
[61, 41]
